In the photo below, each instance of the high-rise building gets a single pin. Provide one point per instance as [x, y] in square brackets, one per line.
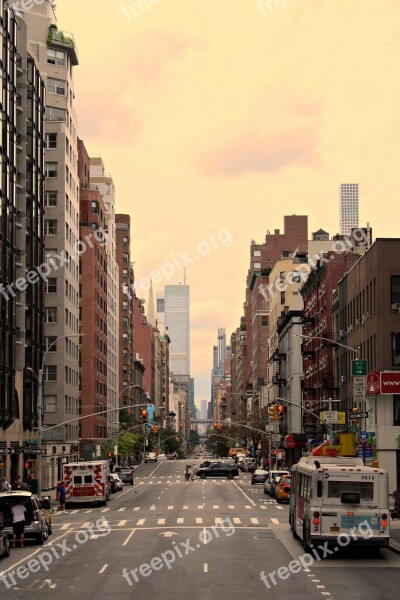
[93, 314]
[56, 53]
[177, 320]
[21, 241]
[348, 207]
[220, 353]
[104, 182]
[203, 409]
[192, 407]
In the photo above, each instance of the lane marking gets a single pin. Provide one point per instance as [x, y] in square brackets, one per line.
[218, 520]
[137, 508]
[153, 507]
[103, 568]
[121, 509]
[180, 520]
[88, 511]
[105, 510]
[274, 521]
[245, 495]
[215, 506]
[85, 525]
[205, 568]
[122, 523]
[170, 508]
[200, 507]
[255, 521]
[161, 522]
[236, 520]
[140, 522]
[231, 506]
[66, 526]
[185, 507]
[199, 520]
[128, 538]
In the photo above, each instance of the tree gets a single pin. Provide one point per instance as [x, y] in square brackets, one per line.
[194, 438]
[128, 443]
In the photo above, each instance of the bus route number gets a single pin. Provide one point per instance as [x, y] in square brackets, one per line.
[367, 477]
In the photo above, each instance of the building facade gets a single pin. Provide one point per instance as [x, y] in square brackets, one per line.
[348, 207]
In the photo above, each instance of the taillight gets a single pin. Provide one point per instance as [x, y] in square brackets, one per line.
[316, 521]
[316, 518]
[384, 523]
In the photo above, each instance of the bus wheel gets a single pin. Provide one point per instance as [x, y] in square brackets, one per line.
[306, 537]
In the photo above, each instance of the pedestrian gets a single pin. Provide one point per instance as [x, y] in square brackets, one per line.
[187, 473]
[194, 471]
[61, 496]
[246, 468]
[6, 485]
[18, 512]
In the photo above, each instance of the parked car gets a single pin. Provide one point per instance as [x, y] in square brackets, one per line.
[162, 457]
[272, 479]
[125, 474]
[116, 483]
[150, 457]
[248, 464]
[218, 470]
[35, 520]
[282, 489]
[259, 476]
[4, 543]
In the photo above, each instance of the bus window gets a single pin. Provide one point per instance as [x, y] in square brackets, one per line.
[364, 488]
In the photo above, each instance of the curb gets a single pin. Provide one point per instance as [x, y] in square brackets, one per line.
[394, 546]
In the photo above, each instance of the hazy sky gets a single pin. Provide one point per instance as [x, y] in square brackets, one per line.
[217, 120]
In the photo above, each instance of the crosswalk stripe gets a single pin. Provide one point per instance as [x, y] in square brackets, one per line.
[73, 512]
[231, 506]
[161, 522]
[122, 523]
[255, 521]
[141, 522]
[170, 508]
[185, 507]
[215, 506]
[105, 510]
[66, 526]
[247, 506]
[180, 520]
[153, 507]
[85, 525]
[218, 520]
[121, 509]
[199, 520]
[137, 508]
[264, 507]
[279, 507]
[275, 521]
[88, 511]
[236, 520]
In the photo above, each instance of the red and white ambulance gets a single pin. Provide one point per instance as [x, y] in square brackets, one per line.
[87, 481]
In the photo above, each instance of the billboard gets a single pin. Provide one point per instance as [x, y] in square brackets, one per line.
[390, 382]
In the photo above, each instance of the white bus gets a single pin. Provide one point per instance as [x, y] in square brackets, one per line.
[339, 501]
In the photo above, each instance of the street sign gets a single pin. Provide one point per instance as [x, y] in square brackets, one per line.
[39, 451]
[5, 451]
[359, 415]
[359, 388]
[31, 442]
[363, 435]
[359, 367]
[329, 416]
[276, 437]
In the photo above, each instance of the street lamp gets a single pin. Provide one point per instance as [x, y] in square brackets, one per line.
[39, 379]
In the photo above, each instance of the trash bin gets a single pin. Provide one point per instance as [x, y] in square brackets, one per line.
[34, 486]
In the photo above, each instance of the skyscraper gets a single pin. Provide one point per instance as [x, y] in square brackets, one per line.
[348, 207]
[177, 320]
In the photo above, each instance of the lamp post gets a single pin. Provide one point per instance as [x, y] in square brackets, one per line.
[357, 351]
[39, 378]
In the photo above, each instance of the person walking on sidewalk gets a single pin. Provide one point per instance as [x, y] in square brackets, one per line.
[61, 496]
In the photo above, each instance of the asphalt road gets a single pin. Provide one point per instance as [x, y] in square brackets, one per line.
[170, 539]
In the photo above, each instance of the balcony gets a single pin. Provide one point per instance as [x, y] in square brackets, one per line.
[64, 41]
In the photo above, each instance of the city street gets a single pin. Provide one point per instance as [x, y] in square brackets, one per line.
[217, 536]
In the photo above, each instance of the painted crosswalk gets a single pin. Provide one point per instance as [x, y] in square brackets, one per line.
[171, 521]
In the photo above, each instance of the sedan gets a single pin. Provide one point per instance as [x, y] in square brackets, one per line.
[116, 483]
[125, 474]
[150, 457]
[218, 470]
[259, 476]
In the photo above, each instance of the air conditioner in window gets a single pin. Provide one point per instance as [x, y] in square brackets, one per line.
[396, 306]
[342, 333]
[342, 379]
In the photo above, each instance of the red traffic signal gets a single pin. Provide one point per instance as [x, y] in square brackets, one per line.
[143, 413]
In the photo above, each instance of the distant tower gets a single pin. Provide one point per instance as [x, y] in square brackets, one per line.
[151, 314]
[348, 207]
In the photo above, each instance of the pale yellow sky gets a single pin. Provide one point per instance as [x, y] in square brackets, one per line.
[213, 117]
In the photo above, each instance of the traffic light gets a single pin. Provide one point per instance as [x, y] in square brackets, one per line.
[143, 413]
[273, 413]
[281, 412]
[110, 455]
[177, 439]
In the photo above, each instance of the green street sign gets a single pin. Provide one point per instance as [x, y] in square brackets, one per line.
[359, 367]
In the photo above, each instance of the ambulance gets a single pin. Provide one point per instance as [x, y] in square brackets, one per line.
[87, 482]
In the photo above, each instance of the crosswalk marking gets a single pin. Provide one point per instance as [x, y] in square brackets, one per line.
[88, 511]
[137, 508]
[279, 507]
[236, 520]
[161, 522]
[185, 507]
[85, 525]
[255, 521]
[199, 520]
[264, 507]
[141, 522]
[73, 512]
[215, 506]
[122, 523]
[121, 509]
[180, 520]
[231, 506]
[218, 520]
[247, 506]
[105, 510]
[274, 521]
[153, 507]
[170, 508]
[66, 526]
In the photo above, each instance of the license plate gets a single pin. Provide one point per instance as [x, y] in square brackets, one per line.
[335, 528]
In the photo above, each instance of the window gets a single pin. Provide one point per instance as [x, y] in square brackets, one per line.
[55, 114]
[257, 253]
[124, 305]
[125, 257]
[50, 373]
[51, 285]
[51, 199]
[56, 86]
[396, 349]
[364, 488]
[51, 314]
[50, 404]
[51, 141]
[160, 305]
[395, 289]
[95, 208]
[283, 298]
[55, 57]
[50, 169]
[125, 273]
[257, 265]
[125, 321]
[50, 227]
[396, 409]
[296, 277]
[125, 241]
[264, 321]
[50, 339]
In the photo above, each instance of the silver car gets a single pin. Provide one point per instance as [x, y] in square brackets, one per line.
[36, 527]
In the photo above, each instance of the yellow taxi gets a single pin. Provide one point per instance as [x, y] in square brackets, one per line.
[282, 489]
